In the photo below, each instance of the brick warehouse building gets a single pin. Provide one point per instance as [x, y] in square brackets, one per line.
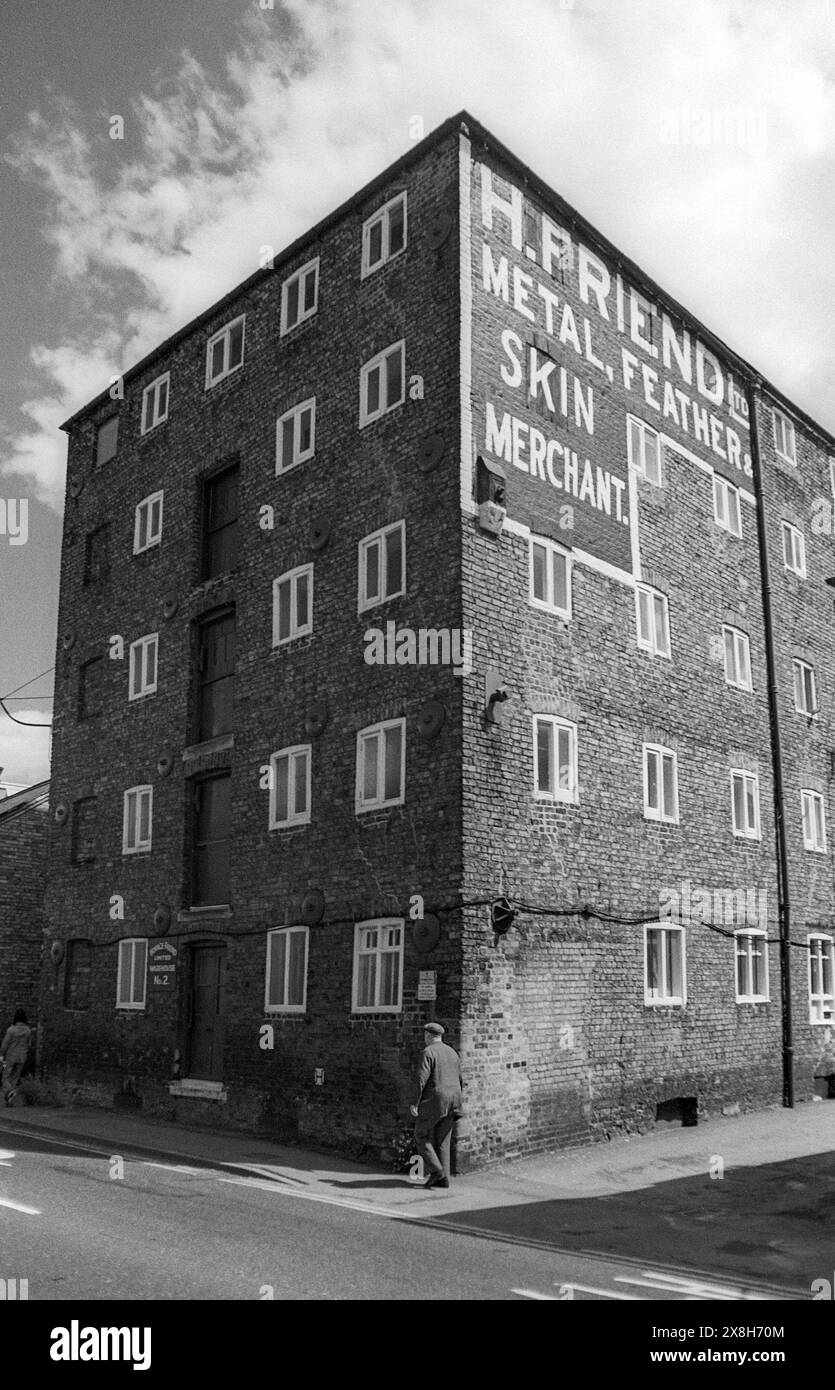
[23, 842]
[279, 826]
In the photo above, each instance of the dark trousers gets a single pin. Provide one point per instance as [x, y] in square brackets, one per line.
[434, 1141]
[11, 1076]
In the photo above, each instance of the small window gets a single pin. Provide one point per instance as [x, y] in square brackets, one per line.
[155, 403]
[147, 526]
[90, 682]
[745, 802]
[225, 351]
[384, 234]
[382, 383]
[97, 558]
[293, 605]
[136, 821]
[77, 971]
[295, 436]
[784, 441]
[653, 620]
[84, 830]
[382, 565]
[381, 765]
[726, 507]
[290, 787]
[805, 696]
[821, 978]
[378, 966]
[664, 965]
[555, 759]
[107, 437]
[660, 783]
[737, 658]
[550, 577]
[143, 666]
[794, 550]
[300, 296]
[751, 967]
[286, 984]
[132, 974]
[644, 450]
[814, 823]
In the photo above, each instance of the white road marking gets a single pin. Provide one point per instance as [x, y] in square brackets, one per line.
[689, 1288]
[17, 1206]
[172, 1167]
[541, 1297]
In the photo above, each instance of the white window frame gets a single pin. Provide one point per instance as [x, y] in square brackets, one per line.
[285, 1008]
[298, 455]
[821, 1002]
[794, 555]
[373, 364]
[740, 677]
[552, 552]
[784, 436]
[384, 924]
[660, 813]
[225, 333]
[152, 538]
[293, 754]
[138, 653]
[300, 275]
[297, 629]
[749, 935]
[138, 792]
[651, 642]
[569, 794]
[383, 215]
[150, 397]
[809, 800]
[133, 942]
[747, 832]
[378, 538]
[727, 517]
[803, 678]
[638, 430]
[832, 474]
[665, 1000]
[380, 801]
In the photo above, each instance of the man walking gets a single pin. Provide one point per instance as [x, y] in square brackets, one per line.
[438, 1104]
[14, 1050]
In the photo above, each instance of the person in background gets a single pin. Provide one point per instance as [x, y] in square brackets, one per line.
[14, 1050]
[438, 1104]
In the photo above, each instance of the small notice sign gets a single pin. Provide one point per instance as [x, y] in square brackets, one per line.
[426, 985]
[162, 965]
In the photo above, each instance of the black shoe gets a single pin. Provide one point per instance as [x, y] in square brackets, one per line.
[434, 1180]
[441, 1182]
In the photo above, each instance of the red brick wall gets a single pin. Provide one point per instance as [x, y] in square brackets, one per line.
[22, 864]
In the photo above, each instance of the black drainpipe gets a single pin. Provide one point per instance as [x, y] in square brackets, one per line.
[753, 389]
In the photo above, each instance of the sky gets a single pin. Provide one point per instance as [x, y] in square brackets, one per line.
[697, 135]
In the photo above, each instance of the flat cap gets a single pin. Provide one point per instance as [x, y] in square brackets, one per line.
[436, 1029]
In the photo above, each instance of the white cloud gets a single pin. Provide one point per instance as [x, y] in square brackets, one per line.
[319, 97]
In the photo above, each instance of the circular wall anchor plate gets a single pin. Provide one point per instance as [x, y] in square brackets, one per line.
[313, 907]
[316, 718]
[62, 812]
[162, 917]
[430, 719]
[431, 452]
[68, 640]
[439, 231]
[320, 534]
[169, 605]
[426, 932]
[76, 484]
[165, 762]
[56, 952]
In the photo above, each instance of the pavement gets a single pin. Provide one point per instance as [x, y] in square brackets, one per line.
[748, 1197]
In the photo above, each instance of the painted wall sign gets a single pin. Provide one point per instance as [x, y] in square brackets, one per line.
[564, 350]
